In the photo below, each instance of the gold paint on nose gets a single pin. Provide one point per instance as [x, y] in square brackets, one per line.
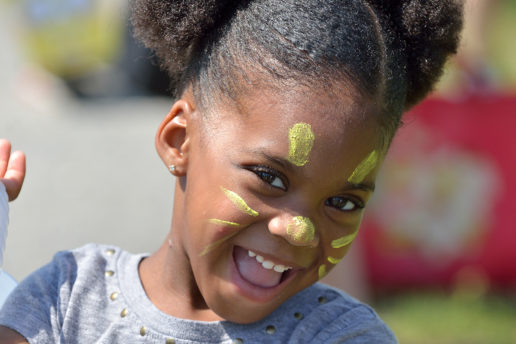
[301, 230]
[343, 241]
[301, 140]
[364, 168]
[239, 202]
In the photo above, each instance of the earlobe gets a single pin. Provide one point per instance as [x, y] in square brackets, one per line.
[172, 139]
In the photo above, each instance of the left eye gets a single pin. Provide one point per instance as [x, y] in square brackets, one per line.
[343, 204]
[269, 176]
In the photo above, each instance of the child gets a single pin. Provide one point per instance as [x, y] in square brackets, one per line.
[285, 110]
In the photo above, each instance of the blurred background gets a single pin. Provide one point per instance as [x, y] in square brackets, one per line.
[436, 253]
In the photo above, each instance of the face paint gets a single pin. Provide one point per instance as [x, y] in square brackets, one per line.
[211, 246]
[364, 168]
[239, 202]
[334, 260]
[322, 271]
[301, 139]
[343, 241]
[223, 223]
[301, 230]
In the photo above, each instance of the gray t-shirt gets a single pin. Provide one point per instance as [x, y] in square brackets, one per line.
[94, 295]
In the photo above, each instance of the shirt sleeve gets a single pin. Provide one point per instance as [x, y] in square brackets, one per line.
[36, 307]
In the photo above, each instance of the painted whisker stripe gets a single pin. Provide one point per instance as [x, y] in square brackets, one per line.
[239, 202]
[223, 223]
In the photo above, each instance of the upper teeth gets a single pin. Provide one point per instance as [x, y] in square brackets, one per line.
[267, 264]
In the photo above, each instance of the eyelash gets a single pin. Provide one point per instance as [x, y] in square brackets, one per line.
[261, 172]
[358, 205]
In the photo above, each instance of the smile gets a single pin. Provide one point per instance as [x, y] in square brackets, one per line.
[267, 264]
[258, 276]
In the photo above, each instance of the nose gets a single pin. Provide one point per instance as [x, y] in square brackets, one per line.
[297, 230]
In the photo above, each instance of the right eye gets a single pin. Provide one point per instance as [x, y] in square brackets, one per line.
[269, 176]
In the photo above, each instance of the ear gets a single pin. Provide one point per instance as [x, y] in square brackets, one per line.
[172, 139]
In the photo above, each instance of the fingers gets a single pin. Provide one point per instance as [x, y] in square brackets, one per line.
[5, 152]
[12, 169]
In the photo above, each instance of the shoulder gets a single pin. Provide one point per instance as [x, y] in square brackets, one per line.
[331, 316]
[41, 304]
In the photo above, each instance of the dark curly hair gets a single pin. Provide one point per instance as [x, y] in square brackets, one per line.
[390, 50]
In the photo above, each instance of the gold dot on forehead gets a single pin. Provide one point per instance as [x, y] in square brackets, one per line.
[364, 168]
[239, 202]
[343, 241]
[301, 229]
[301, 140]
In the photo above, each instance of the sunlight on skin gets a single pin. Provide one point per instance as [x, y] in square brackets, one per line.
[322, 271]
[301, 140]
[239, 202]
[364, 168]
[223, 223]
[301, 230]
[345, 240]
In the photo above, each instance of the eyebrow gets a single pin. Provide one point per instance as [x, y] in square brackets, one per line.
[361, 186]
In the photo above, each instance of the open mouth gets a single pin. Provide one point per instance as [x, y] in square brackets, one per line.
[259, 271]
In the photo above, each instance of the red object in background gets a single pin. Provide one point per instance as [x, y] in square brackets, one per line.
[446, 200]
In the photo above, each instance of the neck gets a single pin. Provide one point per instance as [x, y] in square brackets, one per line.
[169, 282]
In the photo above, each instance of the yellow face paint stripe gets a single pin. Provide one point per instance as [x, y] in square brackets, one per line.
[334, 260]
[364, 168]
[343, 241]
[239, 202]
[223, 223]
[212, 246]
[301, 229]
[301, 140]
[322, 271]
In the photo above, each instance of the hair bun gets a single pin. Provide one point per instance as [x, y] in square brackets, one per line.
[427, 31]
[171, 28]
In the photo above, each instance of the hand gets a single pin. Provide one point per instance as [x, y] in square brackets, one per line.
[12, 169]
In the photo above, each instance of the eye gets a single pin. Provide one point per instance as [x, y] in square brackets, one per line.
[344, 204]
[269, 176]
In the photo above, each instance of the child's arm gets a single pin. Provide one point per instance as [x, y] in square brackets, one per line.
[12, 169]
[12, 174]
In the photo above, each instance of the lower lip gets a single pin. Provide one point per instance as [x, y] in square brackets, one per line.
[253, 292]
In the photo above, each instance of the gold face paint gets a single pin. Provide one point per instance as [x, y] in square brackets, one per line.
[301, 230]
[334, 260]
[239, 202]
[322, 271]
[301, 139]
[211, 246]
[364, 168]
[343, 241]
[223, 223]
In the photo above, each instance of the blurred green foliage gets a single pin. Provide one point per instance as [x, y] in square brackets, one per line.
[460, 318]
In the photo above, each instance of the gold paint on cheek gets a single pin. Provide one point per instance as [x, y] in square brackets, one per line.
[239, 202]
[301, 229]
[364, 168]
[212, 246]
[334, 260]
[301, 139]
[223, 223]
[343, 241]
[322, 271]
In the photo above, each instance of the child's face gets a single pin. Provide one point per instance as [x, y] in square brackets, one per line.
[281, 176]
